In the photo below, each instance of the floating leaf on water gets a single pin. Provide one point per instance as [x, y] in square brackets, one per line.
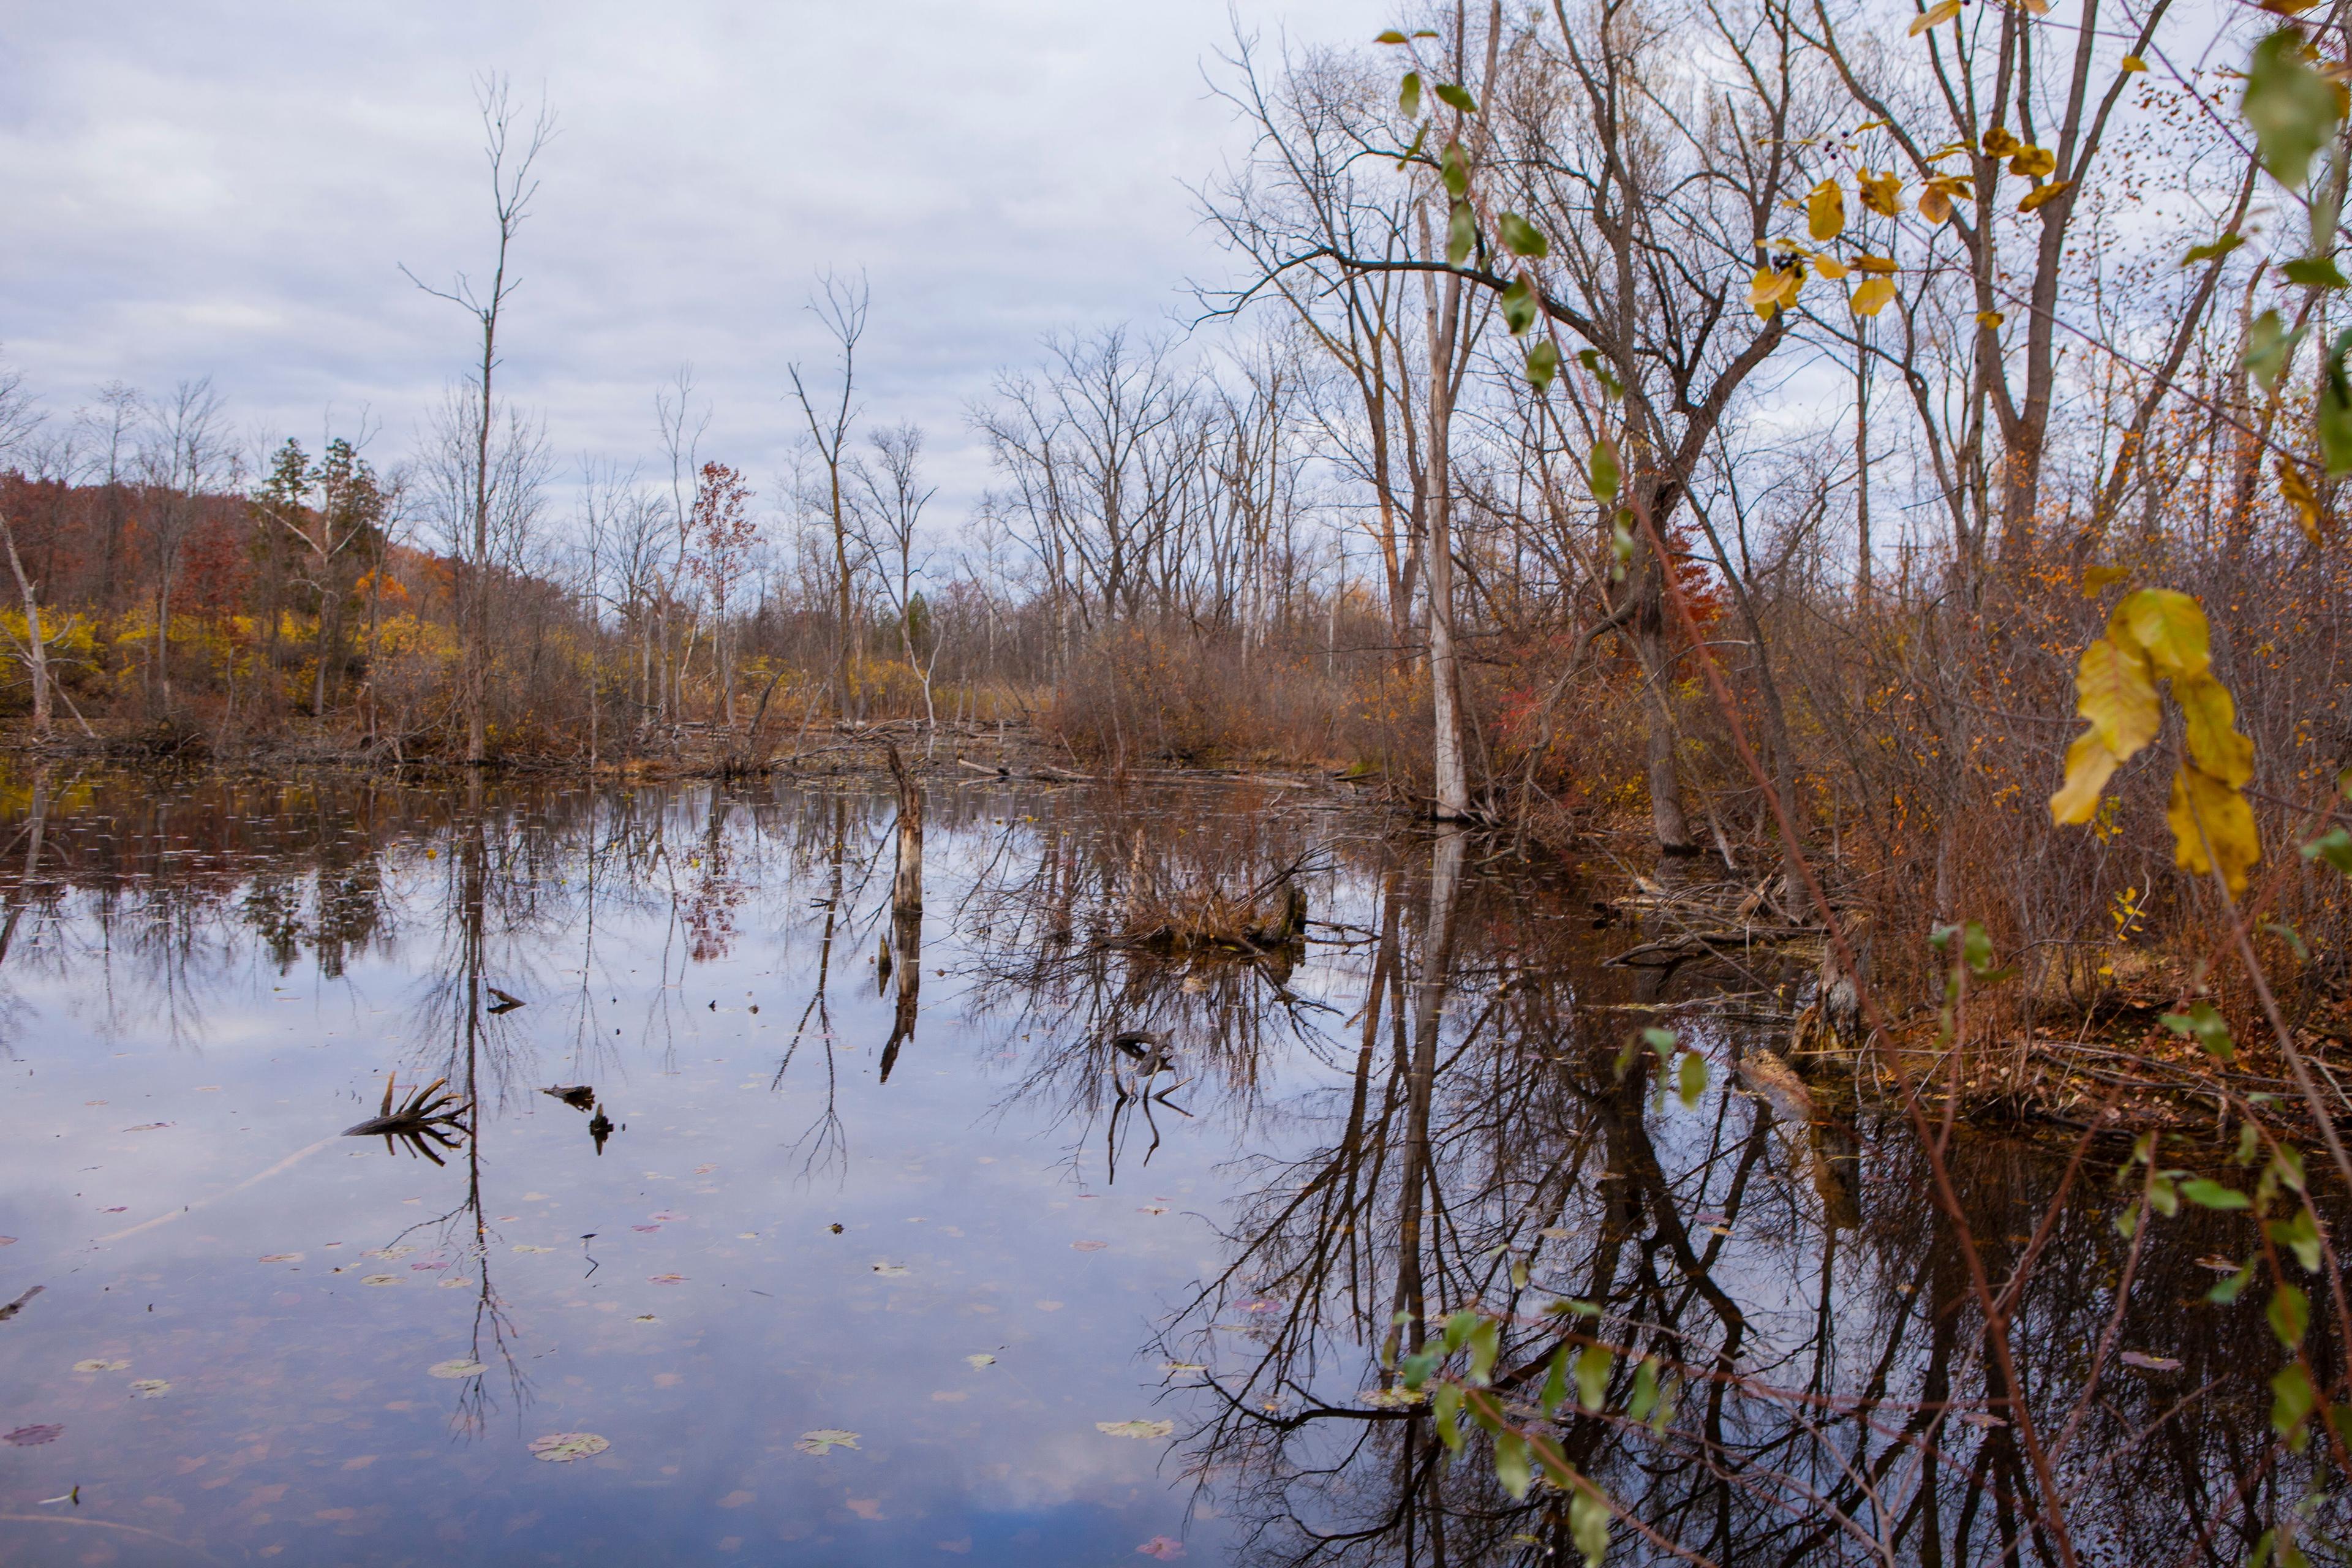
[461, 1367]
[116, 1208]
[281, 1258]
[8, 1241]
[1164, 1548]
[1391, 1398]
[562, 1447]
[101, 1366]
[380, 1279]
[644, 1318]
[149, 1388]
[1557, 1233]
[981, 1360]
[890, 1270]
[147, 1127]
[825, 1439]
[665, 1278]
[644, 1227]
[1152, 1208]
[32, 1436]
[1135, 1428]
[1089, 1245]
[527, 1246]
[1182, 1367]
[704, 1170]
[440, 1263]
[2146, 1362]
[393, 1252]
[455, 1283]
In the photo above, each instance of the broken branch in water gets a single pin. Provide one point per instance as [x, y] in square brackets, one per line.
[423, 1119]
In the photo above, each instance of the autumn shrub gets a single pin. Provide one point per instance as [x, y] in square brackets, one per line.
[1149, 696]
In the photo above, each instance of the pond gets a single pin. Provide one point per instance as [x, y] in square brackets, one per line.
[830, 1256]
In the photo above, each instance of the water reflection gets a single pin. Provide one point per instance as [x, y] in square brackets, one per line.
[1143, 1166]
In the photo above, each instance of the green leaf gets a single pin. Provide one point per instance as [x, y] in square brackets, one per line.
[2128, 1222]
[2314, 271]
[1511, 1464]
[1415, 1370]
[2206, 1027]
[2291, 1405]
[2288, 1163]
[1976, 947]
[1413, 150]
[1520, 307]
[1458, 1329]
[1485, 1344]
[1448, 1409]
[2292, 108]
[2268, 344]
[2208, 1194]
[2298, 1232]
[1543, 363]
[1555, 1386]
[2220, 246]
[1604, 476]
[1693, 1086]
[1409, 95]
[1523, 237]
[2333, 417]
[1590, 360]
[1454, 170]
[1454, 96]
[2335, 847]
[2163, 1196]
[1460, 234]
[2289, 1314]
[1591, 1376]
[1587, 1526]
[1662, 1041]
[1390, 36]
[2226, 1291]
[1645, 1391]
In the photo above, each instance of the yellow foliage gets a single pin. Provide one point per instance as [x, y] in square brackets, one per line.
[2152, 632]
[1825, 211]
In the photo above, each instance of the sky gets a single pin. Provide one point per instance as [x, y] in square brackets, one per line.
[231, 190]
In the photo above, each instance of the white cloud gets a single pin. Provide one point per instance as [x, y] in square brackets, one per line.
[231, 190]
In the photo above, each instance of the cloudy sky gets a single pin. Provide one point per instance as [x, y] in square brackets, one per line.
[231, 190]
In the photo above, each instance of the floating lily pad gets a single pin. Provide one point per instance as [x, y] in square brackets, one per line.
[665, 1278]
[101, 1366]
[1136, 1428]
[459, 1366]
[981, 1360]
[389, 1252]
[825, 1439]
[281, 1258]
[149, 1388]
[562, 1447]
[527, 1246]
[380, 1279]
[1089, 1245]
[32, 1436]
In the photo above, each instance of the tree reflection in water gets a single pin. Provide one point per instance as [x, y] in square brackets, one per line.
[1434, 1116]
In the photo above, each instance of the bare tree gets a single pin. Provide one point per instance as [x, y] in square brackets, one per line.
[890, 498]
[841, 305]
[511, 149]
[185, 460]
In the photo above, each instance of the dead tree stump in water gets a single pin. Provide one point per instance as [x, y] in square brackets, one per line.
[906, 912]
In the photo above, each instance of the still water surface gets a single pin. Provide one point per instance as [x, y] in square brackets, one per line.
[848, 1267]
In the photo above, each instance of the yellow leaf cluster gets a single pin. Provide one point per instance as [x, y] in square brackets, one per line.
[2298, 494]
[1936, 201]
[2153, 633]
[1774, 288]
[1935, 15]
[1881, 193]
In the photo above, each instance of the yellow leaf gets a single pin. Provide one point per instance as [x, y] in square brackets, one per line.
[1935, 15]
[1830, 267]
[1825, 211]
[1999, 144]
[2034, 163]
[1881, 193]
[2095, 578]
[2298, 493]
[1876, 264]
[2167, 626]
[2089, 765]
[2205, 812]
[2133, 63]
[1872, 295]
[2041, 194]
[1990, 318]
[2210, 720]
[2115, 689]
[1936, 201]
[1773, 287]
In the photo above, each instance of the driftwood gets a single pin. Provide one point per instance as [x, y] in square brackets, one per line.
[422, 1121]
